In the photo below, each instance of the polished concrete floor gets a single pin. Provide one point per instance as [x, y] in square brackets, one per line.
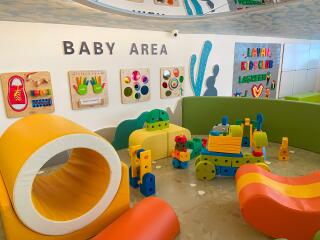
[210, 210]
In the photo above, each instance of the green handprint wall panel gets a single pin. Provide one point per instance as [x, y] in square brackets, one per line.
[88, 89]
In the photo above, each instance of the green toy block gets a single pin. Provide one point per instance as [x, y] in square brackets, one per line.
[195, 143]
[194, 153]
[238, 162]
[163, 115]
[156, 115]
[249, 158]
[260, 139]
[190, 144]
[205, 170]
[218, 161]
[157, 125]
[153, 116]
[223, 161]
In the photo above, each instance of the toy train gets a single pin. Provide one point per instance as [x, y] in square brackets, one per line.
[223, 154]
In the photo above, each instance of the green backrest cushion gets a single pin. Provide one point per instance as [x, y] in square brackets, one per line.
[298, 121]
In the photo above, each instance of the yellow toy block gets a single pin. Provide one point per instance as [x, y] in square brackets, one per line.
[145, 164]
[160, 142]
[156, 141]
[247, 121]
[235, 131]
[134, 160]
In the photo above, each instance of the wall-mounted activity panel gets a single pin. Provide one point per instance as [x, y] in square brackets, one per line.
[135, 85]
[26, 93]
[172, 82]
[88, 89]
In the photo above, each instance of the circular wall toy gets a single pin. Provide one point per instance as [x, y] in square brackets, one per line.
[171, 82]
[138, 88]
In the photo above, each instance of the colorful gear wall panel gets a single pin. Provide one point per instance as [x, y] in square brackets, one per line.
[256, 70]
[27, 93]
[88, 89]
[135, 85]
[171, 82]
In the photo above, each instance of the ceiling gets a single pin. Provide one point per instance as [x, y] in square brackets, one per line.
[292, 19]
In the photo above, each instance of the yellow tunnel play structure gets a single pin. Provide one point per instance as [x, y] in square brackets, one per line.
[73, 202]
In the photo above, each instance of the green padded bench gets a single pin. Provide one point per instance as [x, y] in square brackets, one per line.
[299, 121]
[305, 97]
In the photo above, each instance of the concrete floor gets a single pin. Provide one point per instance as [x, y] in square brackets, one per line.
[215, 215]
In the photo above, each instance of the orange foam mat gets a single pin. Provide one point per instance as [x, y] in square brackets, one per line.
[151, 218]
[280, 207]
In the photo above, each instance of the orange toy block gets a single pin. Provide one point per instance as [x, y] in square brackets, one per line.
[224, 144]
[284, 150]
[182, 156]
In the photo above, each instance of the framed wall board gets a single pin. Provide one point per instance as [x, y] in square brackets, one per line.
[88, 89]
[135, 85]
[171, 82]
[27, 93]
[256, 70]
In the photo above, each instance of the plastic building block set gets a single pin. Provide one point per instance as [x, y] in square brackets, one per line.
[223, 154]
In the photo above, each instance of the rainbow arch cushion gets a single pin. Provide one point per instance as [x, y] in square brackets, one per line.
[280, 207]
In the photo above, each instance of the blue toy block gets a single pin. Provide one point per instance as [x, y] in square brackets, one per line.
[218, 171]
[175, 163]
[218, 154]
[148, 186]
[178, 164]
[245, 142]
[133, 181]
[140, 151]
[214, 133]
[264, 151]
[225, 120]
[227, 171]
[259, 121]
[184, 165]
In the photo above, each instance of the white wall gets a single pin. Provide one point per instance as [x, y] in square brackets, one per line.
[301, 68]
[38, 47]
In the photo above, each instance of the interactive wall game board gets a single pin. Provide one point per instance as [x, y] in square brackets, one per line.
[27, 93]
[88, 89]
[135, 85]
[171, 82]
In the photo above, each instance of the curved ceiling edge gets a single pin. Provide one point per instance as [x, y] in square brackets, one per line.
[156, 12]
[130, 13]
